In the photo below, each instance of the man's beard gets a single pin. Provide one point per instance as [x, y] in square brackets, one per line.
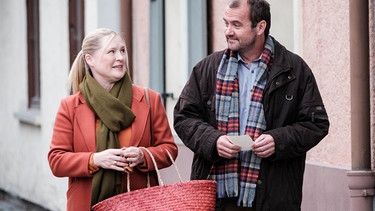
[240, 47]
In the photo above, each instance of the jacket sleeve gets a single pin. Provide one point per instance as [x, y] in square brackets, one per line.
[63, 159]
[299, 120]
[162, 138]
[194, 113]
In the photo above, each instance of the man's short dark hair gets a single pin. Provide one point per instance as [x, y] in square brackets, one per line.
[259, 10]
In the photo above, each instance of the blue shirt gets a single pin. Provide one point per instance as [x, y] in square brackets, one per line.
[246, 79]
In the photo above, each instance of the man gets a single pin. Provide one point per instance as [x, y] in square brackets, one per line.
[255, 87]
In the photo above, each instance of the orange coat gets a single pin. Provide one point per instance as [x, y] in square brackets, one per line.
[73, 141]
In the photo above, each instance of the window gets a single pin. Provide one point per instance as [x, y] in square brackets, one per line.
[33, 53]
[76, 27]
[32, 114]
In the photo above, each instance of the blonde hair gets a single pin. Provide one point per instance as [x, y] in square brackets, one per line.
[91, 43]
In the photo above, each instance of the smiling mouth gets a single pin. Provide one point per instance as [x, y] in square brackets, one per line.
[231, 40]
[118, 66]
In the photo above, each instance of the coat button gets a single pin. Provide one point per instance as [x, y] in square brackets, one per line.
[277, 83]
[259, 182]
[209, 102]
[290, 77]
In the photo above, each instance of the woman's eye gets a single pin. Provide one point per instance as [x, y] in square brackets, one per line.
[111, 51]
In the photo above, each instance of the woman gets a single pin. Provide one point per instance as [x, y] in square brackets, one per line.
[100, 130]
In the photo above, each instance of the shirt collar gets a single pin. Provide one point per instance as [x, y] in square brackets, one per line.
[239, 58]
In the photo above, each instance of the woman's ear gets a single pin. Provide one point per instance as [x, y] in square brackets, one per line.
[89, 60]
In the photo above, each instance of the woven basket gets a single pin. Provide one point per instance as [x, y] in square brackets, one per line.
[190, 195]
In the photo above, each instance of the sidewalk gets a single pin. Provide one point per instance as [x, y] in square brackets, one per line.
[12, 203]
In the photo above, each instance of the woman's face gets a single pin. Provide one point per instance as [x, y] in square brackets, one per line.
[108, 65]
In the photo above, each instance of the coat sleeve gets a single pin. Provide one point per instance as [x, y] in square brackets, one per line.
[194, 113]
[298, 119]
[62, 158]
[162, 138]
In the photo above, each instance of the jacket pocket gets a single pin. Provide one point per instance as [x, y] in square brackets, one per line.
[318, 113]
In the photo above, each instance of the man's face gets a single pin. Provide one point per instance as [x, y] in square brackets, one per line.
[238, 32]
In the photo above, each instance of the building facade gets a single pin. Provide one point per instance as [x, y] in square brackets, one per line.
[165, 39]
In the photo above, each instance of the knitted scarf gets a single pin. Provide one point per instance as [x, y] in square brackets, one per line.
[113, 110]
[238, 177]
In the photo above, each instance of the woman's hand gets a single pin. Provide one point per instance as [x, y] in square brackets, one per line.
[110, 159]
[133, 156]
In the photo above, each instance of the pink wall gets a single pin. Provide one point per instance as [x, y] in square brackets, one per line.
[326, 50]
[372, 77]
[217, 11]
[141, 42]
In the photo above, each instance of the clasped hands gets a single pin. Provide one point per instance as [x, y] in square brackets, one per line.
[123, 159]
[263, 147]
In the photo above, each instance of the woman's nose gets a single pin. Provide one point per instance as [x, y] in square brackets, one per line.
[120, 56]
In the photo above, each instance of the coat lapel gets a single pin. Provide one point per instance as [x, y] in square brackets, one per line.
[141, 110]
[85, 118]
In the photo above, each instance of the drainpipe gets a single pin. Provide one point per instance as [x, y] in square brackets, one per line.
[361, 180]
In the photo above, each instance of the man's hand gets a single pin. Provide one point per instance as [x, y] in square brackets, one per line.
[264, 146]
[226, 148]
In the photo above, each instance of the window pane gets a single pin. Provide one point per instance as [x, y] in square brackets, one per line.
[33, 53]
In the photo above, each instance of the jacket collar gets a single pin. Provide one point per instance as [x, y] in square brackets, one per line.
[282, 61]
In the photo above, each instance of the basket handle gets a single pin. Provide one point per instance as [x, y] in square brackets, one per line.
[161, 183]
[156, 166]
[152, 157]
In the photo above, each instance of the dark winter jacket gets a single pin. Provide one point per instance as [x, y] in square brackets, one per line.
[295, 116]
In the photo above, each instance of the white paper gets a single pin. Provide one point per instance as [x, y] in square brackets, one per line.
[244, 141]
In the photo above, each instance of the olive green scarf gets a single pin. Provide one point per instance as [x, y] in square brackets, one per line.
[113, 110]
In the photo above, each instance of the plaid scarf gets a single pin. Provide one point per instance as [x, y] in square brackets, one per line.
[238, 177]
